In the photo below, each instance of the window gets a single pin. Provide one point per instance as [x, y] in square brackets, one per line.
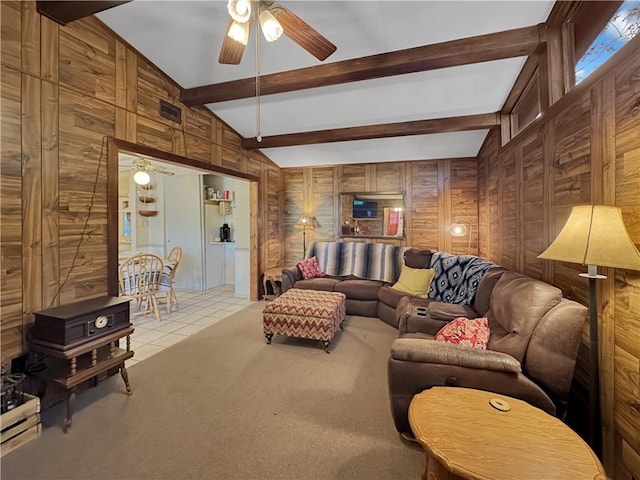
[618, 30]
[527, 108]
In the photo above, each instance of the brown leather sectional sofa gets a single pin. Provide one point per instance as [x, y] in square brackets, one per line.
[365, 297]
[532, 349]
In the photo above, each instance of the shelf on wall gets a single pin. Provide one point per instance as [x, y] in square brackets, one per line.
[217, 201]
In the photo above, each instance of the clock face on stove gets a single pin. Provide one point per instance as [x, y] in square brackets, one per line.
[101, 321]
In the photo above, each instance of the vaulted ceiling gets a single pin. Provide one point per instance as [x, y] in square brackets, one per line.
[406, 82]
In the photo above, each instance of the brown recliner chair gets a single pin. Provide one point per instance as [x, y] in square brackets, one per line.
[531, 355]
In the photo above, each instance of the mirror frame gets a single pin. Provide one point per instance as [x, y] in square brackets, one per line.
[398, 196]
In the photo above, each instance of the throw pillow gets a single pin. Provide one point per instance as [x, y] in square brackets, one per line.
[414, 281]
[309, 268]
[463, 331]
[416, 258]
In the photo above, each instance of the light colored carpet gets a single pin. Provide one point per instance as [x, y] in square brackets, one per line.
[223, 404]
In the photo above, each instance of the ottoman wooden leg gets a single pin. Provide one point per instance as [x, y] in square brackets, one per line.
[269, 336]
[326, 346]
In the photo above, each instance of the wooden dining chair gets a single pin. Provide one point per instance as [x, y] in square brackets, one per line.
[168, 276]
[139, 279]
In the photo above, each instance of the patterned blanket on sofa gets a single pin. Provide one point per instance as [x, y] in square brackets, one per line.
[456, 277]
[374, 261]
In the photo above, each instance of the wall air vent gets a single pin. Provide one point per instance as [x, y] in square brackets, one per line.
[170, 112]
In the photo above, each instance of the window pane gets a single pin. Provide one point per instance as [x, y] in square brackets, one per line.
[527, 107]
[623, 26]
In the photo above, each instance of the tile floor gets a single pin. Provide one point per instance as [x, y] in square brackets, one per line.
[197, 310]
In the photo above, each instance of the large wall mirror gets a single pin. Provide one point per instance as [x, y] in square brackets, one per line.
[372, 214]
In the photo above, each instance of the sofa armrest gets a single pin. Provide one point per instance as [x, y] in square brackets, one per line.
[416, 364]
[430, 351]
[289, 277]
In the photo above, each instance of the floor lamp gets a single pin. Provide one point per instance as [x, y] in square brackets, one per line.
[594, 235]
[305, 222]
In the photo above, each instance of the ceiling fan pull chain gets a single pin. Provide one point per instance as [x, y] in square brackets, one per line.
[258, 134]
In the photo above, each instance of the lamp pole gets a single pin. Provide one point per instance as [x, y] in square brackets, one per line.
[304, 239]
[595, 432]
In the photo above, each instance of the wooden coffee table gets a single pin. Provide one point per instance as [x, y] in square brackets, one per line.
[465, 437]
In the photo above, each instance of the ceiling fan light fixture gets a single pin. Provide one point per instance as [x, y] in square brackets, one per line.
[141, 177]
[240, 10]
[239, 32]
[271, 28]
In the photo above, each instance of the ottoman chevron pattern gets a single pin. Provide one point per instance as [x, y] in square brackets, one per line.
[301, 313]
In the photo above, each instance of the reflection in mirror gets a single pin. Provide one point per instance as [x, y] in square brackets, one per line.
[124, 224]
[372, 214]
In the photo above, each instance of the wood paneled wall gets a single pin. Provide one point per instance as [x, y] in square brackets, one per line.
[437, 194]
[64, 89]
[587, 152]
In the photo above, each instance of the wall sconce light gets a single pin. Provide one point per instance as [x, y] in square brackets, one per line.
[459, 229]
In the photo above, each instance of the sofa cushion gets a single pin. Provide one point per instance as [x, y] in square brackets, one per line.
[464, 331]
[319, 283]
[481, 302]
[416, 258]
[309, 268]
[385, 262]
[390, 296]
[518, 303]
[354, 258]
[359, 289]
[328, 255]
[414, 281]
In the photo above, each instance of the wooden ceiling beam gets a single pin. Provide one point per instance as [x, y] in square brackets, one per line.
[66, 12]
[518, 42]
[400, 129]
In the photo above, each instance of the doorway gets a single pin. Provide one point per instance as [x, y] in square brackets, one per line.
[168, 196]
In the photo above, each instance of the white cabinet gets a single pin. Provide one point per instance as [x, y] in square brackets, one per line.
[221, 257]
[215, 264]
[229, 263]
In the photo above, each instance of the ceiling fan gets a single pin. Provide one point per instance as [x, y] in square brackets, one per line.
[141, 168]
[274, 20]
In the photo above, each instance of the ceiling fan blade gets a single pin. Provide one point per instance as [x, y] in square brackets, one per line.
[231, 51]
[304, 35]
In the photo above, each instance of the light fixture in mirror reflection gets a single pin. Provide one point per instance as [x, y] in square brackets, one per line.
[372, 214]
[141, 177]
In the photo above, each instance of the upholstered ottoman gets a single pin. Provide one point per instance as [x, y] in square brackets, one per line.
[312, 314]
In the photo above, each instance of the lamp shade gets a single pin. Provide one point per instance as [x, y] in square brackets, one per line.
[307, 222]
[594, 235]
[271, 28]
[240, 10]
[239, 32]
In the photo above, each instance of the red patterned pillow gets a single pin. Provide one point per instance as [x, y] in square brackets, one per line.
[309, 268]
[462, 331]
